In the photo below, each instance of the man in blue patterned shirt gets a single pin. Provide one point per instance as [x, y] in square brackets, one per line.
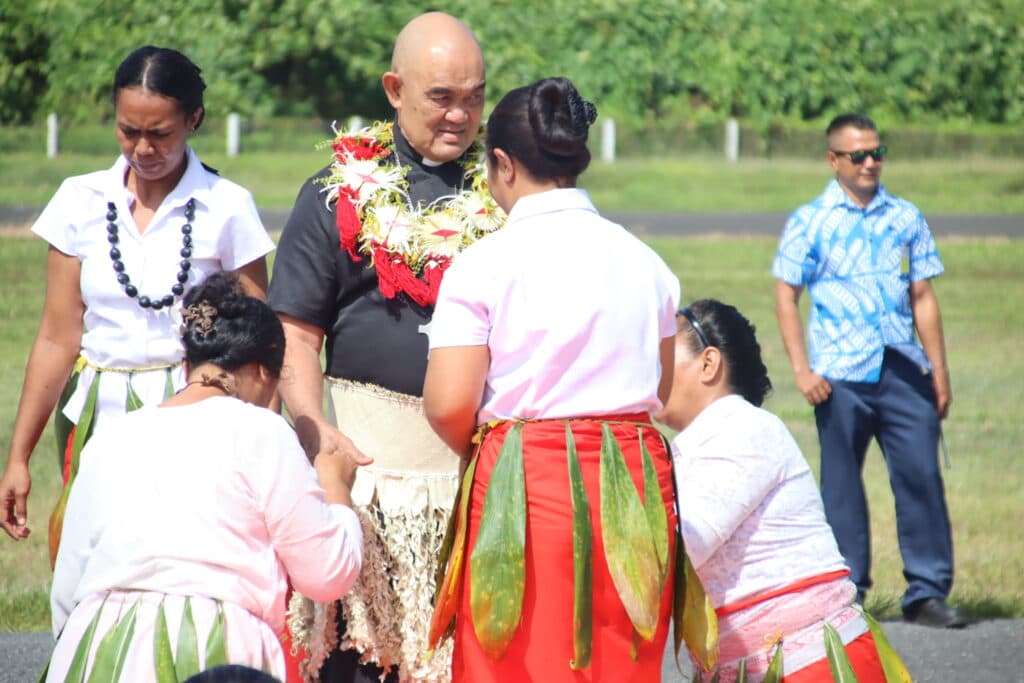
[867, 258]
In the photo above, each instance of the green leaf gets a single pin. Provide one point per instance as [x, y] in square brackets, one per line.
[717, 676]
[892, 664]
[582, 560]
[132, 402]
[163, 660]
[186, 655]
[169, 384]
[678, 597]
[83, 430]
[838, 660]
[629, 547]
[741, 672]
[654, 506]
[76, 672]
[498, 561]
[774, 672]
[113, 649]
[216, 648]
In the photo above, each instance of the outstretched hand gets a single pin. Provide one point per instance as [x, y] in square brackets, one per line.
[14, 488]
[330, 450]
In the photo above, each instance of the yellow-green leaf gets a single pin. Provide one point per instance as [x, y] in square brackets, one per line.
[83, 430]
[892, 664]
[132, 402]
[169, 384]
[774, 672]
[186, 655]
[700, 623]
[163, 660]
[741, 672]
[838, 660]
[654, 506]
[498, 560]
[216, 648]
[582, 560]
[76, 672]
[113, 649]
[448, 589]
[628, 545]
[678, 597]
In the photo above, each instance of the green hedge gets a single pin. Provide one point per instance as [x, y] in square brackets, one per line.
[762, 60]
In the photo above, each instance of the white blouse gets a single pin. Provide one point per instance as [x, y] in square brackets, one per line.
[572, 307]
[117, 333]
[215, 499]
[751, 515]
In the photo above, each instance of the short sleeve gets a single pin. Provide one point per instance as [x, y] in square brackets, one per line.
[793, 261]
[924, 254]
[305, 281]
[462, 316]
[244, 239]
[56, 224]
[670, 292]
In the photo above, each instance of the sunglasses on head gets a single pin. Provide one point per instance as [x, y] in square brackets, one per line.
[858, 157]
[695, 324]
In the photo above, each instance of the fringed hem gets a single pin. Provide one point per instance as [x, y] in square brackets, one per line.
[388, 609]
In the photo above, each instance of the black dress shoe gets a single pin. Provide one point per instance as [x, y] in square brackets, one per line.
[936, 613]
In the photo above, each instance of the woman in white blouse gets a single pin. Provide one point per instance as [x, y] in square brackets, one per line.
[751, 517]
[186, 517]
[552, 341]
[125, 244]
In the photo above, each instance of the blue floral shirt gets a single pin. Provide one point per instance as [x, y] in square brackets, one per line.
[857, 264]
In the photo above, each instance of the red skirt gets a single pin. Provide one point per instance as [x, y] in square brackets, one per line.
[542, 647]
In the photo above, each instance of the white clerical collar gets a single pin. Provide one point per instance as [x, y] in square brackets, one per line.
[432, 163]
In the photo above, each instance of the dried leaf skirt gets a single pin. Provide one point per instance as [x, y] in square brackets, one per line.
[546, 643]
[404, 500]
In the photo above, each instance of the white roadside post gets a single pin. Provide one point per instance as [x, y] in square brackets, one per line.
[732, 141]
[608, 140]
[234, 134]
[51, 135]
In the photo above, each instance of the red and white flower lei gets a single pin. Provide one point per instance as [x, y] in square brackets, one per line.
[410, 246]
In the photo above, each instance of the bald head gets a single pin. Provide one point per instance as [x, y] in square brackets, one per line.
[429, 33]
[436, 85]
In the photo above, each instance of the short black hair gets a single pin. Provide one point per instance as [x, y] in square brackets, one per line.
[735, 337]
[237, 331]
[544, 126]
[850, 120]
[232, 673]
[166, 72]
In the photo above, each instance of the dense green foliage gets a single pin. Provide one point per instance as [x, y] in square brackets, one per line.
[763, 60]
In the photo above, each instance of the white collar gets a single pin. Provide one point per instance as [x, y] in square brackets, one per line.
[196, 183]
[562, 199]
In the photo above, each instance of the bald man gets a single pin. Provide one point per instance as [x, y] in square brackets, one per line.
[376, 355]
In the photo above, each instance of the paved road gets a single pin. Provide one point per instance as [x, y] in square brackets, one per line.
[988, 651]
[764, 224]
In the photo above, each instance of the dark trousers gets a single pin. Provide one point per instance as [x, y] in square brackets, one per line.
[898, 411]
[343, 666]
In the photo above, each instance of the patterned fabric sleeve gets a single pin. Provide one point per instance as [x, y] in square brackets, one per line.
[924, 255]
[793, 262]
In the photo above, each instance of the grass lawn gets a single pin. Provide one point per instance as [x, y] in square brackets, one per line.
[980, 296]
[978, 186]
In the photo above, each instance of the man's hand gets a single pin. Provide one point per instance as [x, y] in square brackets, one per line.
[943, 392]
[319, 437]
[14, 488]
[813, 386]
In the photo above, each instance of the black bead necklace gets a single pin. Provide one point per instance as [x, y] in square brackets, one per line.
[184, 265]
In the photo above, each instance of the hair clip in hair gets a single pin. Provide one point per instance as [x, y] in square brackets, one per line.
[582, 113]
[201, 315]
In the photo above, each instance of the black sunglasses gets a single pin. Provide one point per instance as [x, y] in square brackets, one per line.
[858, 157]
[688, 314]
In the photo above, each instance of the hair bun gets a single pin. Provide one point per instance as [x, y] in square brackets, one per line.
[582, 112]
